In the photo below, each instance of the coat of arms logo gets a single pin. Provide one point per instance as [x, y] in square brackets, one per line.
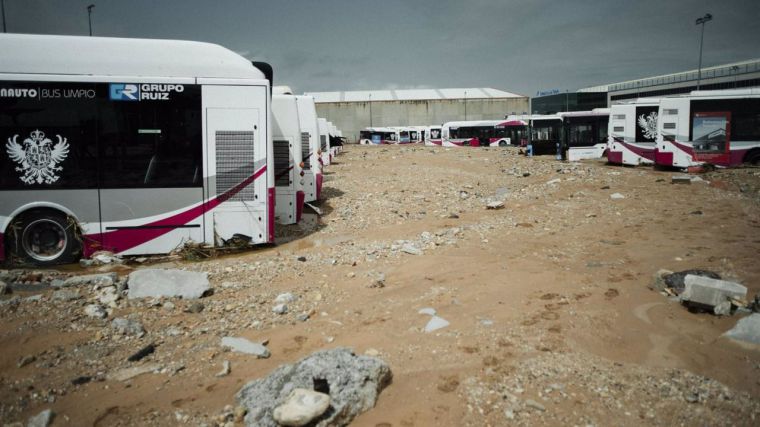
[38, 157]
[648, 125]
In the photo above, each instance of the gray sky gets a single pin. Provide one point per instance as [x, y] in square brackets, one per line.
[520, 46]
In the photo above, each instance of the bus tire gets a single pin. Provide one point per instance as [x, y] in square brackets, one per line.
[502, 143]
[753, 157]
[43, 238]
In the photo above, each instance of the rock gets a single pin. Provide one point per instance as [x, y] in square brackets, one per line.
[722, 309]
[746, 329]
[436, 323]
[658, 280]
[26, 360]
[108, 296]
[301, 406]
[453, 216]
[495, 205]
[280, 309]
[142, 353]
[301, 258]
[680, 179]
[530, 403]
[43, 419]
[105, 257]
[676, 280]
[710, 292]
[352, 382]
[411, 249]
[617, 196]
[553, 181]
[4, 288]
[464, 195]
[66, 295]
[126, 326]
[284, 298]
[158, 283]
[242, 345]
[372, 352]
[129, 373]
[100, 280]
[195, 307]
[95, 310]
[427, 310]
[225, 369]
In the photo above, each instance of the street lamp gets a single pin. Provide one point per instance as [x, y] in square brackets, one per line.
[89, 16]
[370, 110]
[465, 105]
[702, 21]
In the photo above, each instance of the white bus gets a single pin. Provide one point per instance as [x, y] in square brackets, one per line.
[288, 151]
[584, 134]
[475, 133]
[632, 132]
[433, 135]
[378, 135]
[716, 127]
[324, 141]
[312, 168]
[136, 153]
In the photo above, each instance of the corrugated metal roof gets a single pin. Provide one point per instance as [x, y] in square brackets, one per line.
[410, 95]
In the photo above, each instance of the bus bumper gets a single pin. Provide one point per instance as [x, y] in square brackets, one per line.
[615, 157]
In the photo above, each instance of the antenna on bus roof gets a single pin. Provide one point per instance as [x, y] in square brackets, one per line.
[268, 72]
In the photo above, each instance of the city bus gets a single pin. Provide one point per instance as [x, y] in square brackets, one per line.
[135, 154]
[378, 135]
[632, 132]
[312, 168]
[514, 132]
[715, 127]
[287, 150]
[584, 134]
[433, 135]
[474, 133]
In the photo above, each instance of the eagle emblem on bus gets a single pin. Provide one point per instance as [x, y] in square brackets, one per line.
[648, 125]
[38, 157]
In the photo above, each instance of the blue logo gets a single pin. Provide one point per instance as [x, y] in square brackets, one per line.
[124, 92]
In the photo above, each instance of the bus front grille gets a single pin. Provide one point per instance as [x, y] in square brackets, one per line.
[235, 163]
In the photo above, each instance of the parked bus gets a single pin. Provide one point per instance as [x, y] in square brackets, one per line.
[288, 151]
[584, 134]
[307, 116]
[378, 135]
[632, 132]
[100, 157]
[715, 127]
[475, 133]
[433, 135]
[514, 131]
[324, 140]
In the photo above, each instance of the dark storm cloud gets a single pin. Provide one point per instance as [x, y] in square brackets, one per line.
[519, 45]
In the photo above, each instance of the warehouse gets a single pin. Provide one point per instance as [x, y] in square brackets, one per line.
[352, 111]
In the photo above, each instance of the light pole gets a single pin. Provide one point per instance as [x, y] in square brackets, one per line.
[702, 21]
[370, 110]
[2, 9]
[735, 71]
[465, 105]
[89, 16]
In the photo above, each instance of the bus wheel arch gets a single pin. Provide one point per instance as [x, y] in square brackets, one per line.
[43, 236]
[753, 157]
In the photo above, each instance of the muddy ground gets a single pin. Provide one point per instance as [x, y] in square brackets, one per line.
[551, 319]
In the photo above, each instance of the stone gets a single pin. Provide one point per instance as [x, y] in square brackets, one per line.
[436, 323]
[530, 403]
[195, 307]
[95, 310]
[280, 309]
[680, 179]
[26, 360]
[352, 382]
[411, 249]
[4, 288]
[225, 369]
[747, 329]
[242, 345]
[676, 280]
[126, 326]
[168, 283]
[553, 181]
[108, 296]
[284, 298]
[617, 196]
[66, 295]
[301, 407]
[710, 292]
[722, 309]
[105, 257]
[142, 353]
[43, 419]
[100, 280]
[129, 373]
[301, 258]
[496, 204]
[427, 310]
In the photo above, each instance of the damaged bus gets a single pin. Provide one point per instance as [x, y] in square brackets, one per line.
[287, 157]
[632, 132]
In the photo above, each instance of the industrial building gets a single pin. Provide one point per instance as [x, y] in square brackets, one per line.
[355, 110]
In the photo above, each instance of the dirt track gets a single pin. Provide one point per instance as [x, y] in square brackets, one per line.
[551, 318]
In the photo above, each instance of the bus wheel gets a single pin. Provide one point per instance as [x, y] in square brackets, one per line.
[753, 158]
[44, 238]
[502, 143]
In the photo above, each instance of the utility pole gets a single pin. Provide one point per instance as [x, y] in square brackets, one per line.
[465, 105]
[702, 21]
[89, 16]
[370, 110]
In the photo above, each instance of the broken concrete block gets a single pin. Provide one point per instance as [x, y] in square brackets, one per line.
[680, 179]
[158, 283]
[710, 292]
[746, 329]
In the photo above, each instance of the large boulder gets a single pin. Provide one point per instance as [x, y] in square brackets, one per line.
[352, 382]
[159, 283]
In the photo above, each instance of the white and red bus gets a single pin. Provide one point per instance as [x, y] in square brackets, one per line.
[584, 134]
[476, 133]
[378, 135]
[137, 153]
[715, 127]
[288, 153]
[324, 140]
[632, 132]
[310, 156]
[433, 135]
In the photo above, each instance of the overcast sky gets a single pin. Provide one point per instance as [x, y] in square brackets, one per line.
[520, 46]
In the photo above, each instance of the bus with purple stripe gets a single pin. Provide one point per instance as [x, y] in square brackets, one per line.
[632, 132]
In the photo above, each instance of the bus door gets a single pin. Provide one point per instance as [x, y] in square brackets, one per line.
[711, 137]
